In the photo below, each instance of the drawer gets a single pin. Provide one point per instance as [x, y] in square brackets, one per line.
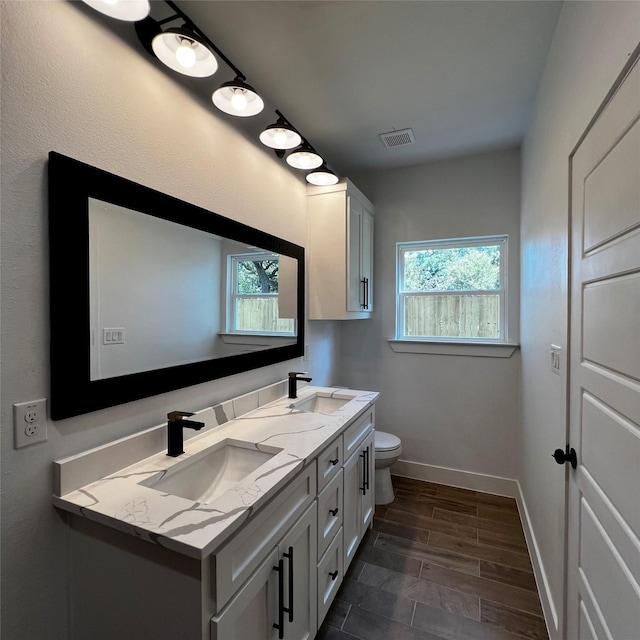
[329, 576]
[244, 552]
[329, 463]
[330, 513]
[357, 432]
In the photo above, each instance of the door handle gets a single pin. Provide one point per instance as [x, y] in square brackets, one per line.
[568, 455]
[334, 512]
[289, 610]
[280, 624]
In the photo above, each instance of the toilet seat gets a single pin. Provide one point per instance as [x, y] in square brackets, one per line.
[385, 442]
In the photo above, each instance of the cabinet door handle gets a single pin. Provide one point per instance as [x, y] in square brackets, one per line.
[366, 293]
[334, 574]
[367, 464]
[289, 610]
[363, 488]
[334, 462]
[334, 512]
[280, 624]
[363, 282]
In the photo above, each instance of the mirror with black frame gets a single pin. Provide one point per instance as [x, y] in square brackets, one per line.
[150, 293]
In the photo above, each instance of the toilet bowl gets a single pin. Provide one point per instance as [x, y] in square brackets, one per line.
[388, 449]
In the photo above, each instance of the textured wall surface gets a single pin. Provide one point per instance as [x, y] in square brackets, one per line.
[80, 86]
[450, 411]
[591, 45]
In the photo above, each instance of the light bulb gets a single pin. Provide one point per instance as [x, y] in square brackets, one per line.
[280, 137]
[185, 54]
[239, 100]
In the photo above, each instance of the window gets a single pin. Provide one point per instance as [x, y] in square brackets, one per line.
[452, 290]
[253, 305]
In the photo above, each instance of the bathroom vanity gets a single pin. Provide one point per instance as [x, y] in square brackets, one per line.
[247, 535]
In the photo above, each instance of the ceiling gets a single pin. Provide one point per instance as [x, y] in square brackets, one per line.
[461, 74]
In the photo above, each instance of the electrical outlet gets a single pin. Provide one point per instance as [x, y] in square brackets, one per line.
[30, 422]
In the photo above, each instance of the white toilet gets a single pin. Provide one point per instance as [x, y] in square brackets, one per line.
[388, 450]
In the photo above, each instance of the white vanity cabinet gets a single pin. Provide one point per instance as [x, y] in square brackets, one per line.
[273, 578]
[359, 484]
[340, 248]
[279, 600]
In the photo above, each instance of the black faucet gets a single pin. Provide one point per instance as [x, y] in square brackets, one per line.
[293, 382]
[174, 431]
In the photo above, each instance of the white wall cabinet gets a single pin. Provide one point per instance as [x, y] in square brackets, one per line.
[340, 249]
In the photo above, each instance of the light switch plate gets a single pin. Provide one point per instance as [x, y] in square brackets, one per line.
[554, 355]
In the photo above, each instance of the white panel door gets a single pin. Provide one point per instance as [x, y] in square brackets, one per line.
[603, 598]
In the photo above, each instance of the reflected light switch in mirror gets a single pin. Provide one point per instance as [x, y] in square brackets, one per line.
[555, 358]
[113, 335]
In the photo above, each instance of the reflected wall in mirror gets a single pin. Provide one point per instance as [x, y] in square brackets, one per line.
[150, 293]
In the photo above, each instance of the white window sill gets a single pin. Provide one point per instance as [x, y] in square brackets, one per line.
[258, 339]
[436, 347]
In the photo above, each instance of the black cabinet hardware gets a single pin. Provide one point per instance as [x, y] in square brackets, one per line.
[280, 624]
[334, 574]
[334, 512]
[289, 556]
[334, 462]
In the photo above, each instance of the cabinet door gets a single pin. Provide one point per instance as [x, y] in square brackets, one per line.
[355, 284]
[352, 505]
[367, 496]
[366, 259]
[330, 575]
[329, 513]
[253, 611]
[299, 551]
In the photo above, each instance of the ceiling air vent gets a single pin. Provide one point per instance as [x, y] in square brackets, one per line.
[397, 138]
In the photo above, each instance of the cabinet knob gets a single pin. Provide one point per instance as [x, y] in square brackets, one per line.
[334, 574]
[334, 512]
[334, 462]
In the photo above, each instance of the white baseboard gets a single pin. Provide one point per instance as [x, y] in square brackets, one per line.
[501, 487]
[542, 582]
[456, 478]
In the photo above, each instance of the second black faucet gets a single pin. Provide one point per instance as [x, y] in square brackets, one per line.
[294, 376]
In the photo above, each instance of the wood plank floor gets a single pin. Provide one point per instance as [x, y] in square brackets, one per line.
[440, 563]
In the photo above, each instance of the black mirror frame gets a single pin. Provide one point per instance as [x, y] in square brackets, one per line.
[71, 184]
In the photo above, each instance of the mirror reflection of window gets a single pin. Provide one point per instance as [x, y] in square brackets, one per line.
[254, 295]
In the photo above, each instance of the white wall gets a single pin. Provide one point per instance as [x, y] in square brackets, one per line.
[72, 84]
[450, 411]
[591, 45]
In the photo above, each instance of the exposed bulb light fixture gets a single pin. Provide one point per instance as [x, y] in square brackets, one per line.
[129, 10]
[322, 177]
[237, 98]
[183, 51]
[280, 135]
[304, 157]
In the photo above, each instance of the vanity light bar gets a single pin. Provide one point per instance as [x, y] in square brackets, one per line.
[187, 50]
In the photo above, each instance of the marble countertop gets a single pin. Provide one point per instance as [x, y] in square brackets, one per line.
[195, 529]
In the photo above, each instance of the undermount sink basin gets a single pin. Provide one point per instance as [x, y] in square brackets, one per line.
[207, 475]
[320, 404]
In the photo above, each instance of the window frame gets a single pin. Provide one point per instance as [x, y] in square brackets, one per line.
[233, 295]
[502, 240]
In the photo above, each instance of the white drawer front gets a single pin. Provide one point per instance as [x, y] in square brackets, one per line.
[237, 560]
[357, 432]
[329, 463]
[330, 574]
[330, 513]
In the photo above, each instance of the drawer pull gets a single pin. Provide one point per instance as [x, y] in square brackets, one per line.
[334, 512]
[334, 462]
[334, 575]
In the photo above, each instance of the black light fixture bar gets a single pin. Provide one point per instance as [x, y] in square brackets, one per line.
[147, 31]
[189, 22]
